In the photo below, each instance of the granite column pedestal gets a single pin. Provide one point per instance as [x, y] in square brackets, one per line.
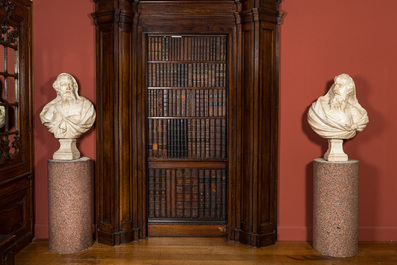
[335, 208]
[70, 205]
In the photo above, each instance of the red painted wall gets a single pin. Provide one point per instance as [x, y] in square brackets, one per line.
[63, 42]
[319, 39]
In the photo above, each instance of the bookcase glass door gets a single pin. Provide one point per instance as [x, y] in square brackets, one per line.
[186, 88]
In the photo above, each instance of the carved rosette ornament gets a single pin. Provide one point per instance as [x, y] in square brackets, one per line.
[338, 116]
[68, 116]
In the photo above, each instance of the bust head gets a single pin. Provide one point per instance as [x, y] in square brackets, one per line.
[340, 92]
[66, 87]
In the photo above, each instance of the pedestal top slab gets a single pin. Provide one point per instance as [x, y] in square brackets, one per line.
[81, 159]
[322, 160]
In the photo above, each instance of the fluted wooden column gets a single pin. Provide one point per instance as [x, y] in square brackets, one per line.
[118, 216]
[260, 122]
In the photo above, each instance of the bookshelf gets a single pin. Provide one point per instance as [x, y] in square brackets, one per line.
[186, 94]
[187, 119]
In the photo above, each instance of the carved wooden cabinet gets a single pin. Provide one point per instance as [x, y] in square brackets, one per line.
[16, 123]
[187, 127]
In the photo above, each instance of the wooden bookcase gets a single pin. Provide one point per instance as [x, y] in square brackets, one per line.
[187, 117]
[16, 133]
[187, 127]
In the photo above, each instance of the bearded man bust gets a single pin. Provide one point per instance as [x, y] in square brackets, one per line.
[68, 116]
[337, 116]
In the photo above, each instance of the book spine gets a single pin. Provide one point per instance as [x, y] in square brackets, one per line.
[201, 193]
[168, 192]
[206, 105]
[183, 102]
[187, 103]
[150, 48]
[195, 193]
[185, 139]
[178, 138]
[179, 193]
[170, 134]
[218, 131]
[215, 102]
[190, 75]
[160, 138]
[207, 188]
[163, 209]
[188, 194]
[194, 138]
[198, 140]
[165, 137]
[202, 138]
[165, 102]
[151, 193]
[178, 103]
[218, 48]
[189, 139]
[214, 191]
[224, 194]
[173, 193]
[155, 144]
[212, 138]
[219, 195]
[150, 141]
[157, 189]
[207, 138]
[224, 139]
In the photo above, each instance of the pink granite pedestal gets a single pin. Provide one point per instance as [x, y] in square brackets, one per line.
[70, 205]
[335, 208]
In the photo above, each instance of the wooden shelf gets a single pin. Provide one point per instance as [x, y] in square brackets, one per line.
[184, 87]
[188, 118]
[189, 62]
[203, 164]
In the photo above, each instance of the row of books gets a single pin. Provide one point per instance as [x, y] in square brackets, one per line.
[187, 102]
[187, 193]
[187, 75]
[187, 48]
[187, 138]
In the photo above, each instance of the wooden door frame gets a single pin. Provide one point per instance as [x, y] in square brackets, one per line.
[121, 149]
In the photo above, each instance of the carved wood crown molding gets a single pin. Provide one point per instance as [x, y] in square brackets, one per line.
[127, 11]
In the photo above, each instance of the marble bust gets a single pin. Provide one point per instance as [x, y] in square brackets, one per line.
[68, 116]
[2, 116]
[337, 116]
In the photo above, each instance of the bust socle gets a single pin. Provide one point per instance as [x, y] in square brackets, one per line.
[68, 116]
[337, 116]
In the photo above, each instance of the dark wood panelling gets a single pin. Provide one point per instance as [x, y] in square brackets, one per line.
[121, 180]
[16, 156]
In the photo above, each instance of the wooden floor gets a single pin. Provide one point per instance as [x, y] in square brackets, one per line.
[204, 251]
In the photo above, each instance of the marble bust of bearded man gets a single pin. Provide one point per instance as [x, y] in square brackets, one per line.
[337, 116]
[68, 115]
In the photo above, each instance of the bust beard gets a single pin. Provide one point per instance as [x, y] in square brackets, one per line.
[338, 102]
[68, 99]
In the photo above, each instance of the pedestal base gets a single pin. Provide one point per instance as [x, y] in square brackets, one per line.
[335, 208]
[70, 205]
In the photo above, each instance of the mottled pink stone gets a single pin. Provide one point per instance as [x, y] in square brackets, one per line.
[70, 205]
[335, 208]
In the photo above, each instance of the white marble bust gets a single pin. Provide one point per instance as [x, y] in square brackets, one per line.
[337, 116]
[2, 116]
[68, 116]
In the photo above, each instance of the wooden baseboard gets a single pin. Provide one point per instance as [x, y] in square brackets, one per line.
[179, 230]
